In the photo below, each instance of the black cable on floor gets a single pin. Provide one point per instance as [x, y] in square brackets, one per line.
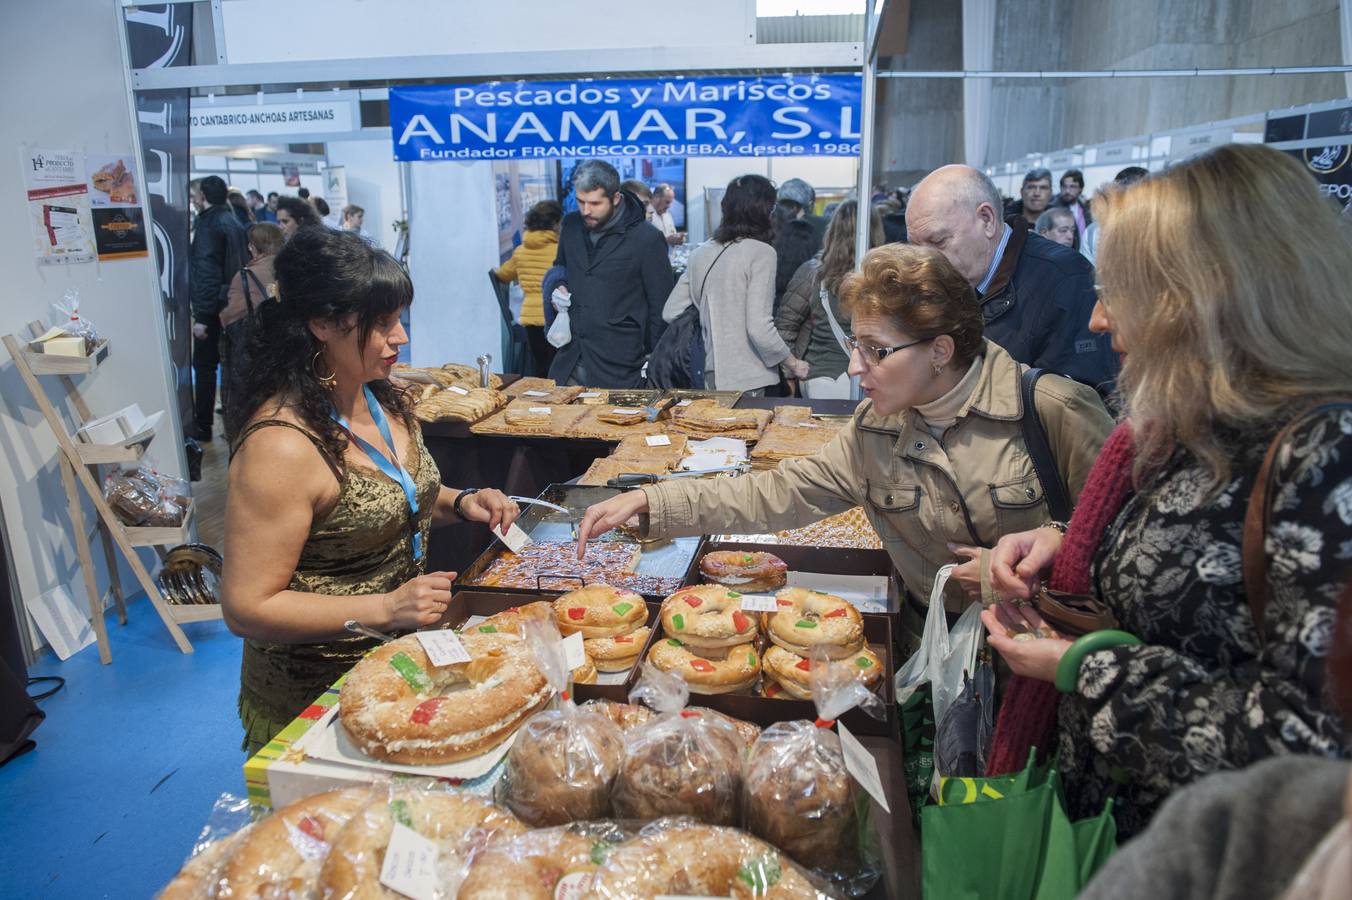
[59, 684]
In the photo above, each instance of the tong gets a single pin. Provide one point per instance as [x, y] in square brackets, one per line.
[634, 479]
[572, 518]
[356, 627]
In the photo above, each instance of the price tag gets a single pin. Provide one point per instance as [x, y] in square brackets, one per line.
[515, 538]
[684, 403]
[587, 395]
[544, 410]
[457, 389]
[573, 886]
[805, 425]
[759, 603]
[535, 393]
[862, 766]
[658, 440]
[621, 411]
[443, 648]
[574, 654]
[410, 864]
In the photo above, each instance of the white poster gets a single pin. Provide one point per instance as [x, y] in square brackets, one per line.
[335, 189]
[58, 206]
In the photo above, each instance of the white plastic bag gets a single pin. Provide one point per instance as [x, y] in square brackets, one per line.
[561, 332]
[944, 656]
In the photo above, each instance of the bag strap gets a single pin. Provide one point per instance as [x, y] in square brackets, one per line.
[244, 274]
[1253, 550]
[708, 271]
[1035, 439]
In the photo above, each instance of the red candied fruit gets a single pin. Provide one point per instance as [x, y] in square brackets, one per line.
[804, 664]
[836, 613]
[692, 600]
[577, 613]
[740, 621]
[701, 665]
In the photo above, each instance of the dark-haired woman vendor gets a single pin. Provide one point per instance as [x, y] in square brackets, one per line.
[332, 492]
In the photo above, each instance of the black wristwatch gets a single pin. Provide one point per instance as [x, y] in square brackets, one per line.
[460, 498]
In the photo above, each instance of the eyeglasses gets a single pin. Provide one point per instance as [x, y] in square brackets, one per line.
[875, 355]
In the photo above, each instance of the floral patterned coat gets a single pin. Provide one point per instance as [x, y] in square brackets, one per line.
[1200, 695]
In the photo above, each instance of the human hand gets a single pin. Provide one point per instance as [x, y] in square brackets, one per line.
[1018, 561]
[1030, 646]
[602, 517]
[561, 298]
[967, 574]
[199, 330]
[491, 506]
[418, 602]
[799, 368]
[676, 239]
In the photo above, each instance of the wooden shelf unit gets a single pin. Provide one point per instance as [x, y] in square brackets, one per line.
[79, 466]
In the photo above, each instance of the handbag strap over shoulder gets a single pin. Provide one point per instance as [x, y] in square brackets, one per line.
[1040, 451]
[1253, 549]
[708, 271]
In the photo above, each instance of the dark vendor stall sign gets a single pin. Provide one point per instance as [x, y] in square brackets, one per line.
[809, 115]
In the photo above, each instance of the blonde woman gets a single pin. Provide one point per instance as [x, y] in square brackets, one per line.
[1223, 282]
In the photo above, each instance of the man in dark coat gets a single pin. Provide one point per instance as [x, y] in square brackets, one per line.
[218, 251]
[1036, 296]
[619, 278]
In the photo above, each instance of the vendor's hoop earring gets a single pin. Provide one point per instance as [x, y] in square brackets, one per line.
[326, 381]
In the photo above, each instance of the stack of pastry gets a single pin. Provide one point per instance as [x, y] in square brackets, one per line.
[612, 622]
[706, 419]
[808, 623]
[542, 391]
[526, 416]
[608, 467]
[613, 423]
[459, 404]
[513, 620]
[638, 447]
[793, 433]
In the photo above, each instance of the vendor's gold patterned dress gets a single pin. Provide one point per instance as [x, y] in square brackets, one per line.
[363, 545]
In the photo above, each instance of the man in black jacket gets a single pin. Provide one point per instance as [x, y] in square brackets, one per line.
[619, 278]
[218, 251]
[1036, 296]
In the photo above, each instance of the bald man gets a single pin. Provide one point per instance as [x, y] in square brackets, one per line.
[1036, 296]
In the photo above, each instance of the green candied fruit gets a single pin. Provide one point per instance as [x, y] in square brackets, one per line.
[733, 594]
[863, 662]
[805, 623]
[751, 660]
[679, 621]
[399, 809]
[599, 851]
[761, 874]
[622, 608]
[488, 629]
[672, 642]
[748, 558]
[410, 671]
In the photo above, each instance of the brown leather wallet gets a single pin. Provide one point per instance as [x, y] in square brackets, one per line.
[1073, 615]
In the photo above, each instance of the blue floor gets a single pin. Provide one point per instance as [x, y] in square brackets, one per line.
[128, 764]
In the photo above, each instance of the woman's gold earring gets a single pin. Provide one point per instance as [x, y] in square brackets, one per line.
[326, 381]
[938, 370]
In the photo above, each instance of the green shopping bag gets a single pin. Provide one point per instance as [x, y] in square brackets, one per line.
[1009, 838]
[917, 739]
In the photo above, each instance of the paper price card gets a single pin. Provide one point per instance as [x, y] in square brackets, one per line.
[457, 389]
[535, 393]
[542, 410]
[759, 603]
[625, 411]
[588, 395]
[410, 864]
[515, 538]
[658, 440]
[574, 654]
[443, 648]
[862, 766]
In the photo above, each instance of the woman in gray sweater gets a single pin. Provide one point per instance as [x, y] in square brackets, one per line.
[731, 280]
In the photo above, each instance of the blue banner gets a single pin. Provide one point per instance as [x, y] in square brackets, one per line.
[807, 115]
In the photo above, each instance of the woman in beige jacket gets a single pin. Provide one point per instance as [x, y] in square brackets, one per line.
[935, 455]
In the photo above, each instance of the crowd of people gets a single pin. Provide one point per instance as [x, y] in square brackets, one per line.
[1153, 420]
[230, 271]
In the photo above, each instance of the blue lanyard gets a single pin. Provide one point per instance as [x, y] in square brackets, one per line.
[394, 470]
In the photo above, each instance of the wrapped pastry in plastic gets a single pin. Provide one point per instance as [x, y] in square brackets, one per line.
[683, 763]
[799, 796]
[281, 856]
[143, 497]
[227, 826]
[460, 825]
[630, 715]
[681, 857]
[545, 864]
[564, 761]
[67, 317]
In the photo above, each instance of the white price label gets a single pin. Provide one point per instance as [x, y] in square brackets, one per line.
[684, 403]
[658, 440]
[574, 886]
[535, 393]
[544, 410]
[515, 538]
[759, 603]
[574, 654]
[806, 425]
[410, 864]
[587, 395]
[862, 766]
[457, 389]
[621, 411]
[443, 648]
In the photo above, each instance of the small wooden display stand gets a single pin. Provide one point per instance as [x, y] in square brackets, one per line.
[79, 462]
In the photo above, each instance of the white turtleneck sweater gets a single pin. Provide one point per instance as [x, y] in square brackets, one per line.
[938, 416]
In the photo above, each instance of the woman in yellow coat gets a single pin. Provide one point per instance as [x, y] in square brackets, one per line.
[528, 265]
